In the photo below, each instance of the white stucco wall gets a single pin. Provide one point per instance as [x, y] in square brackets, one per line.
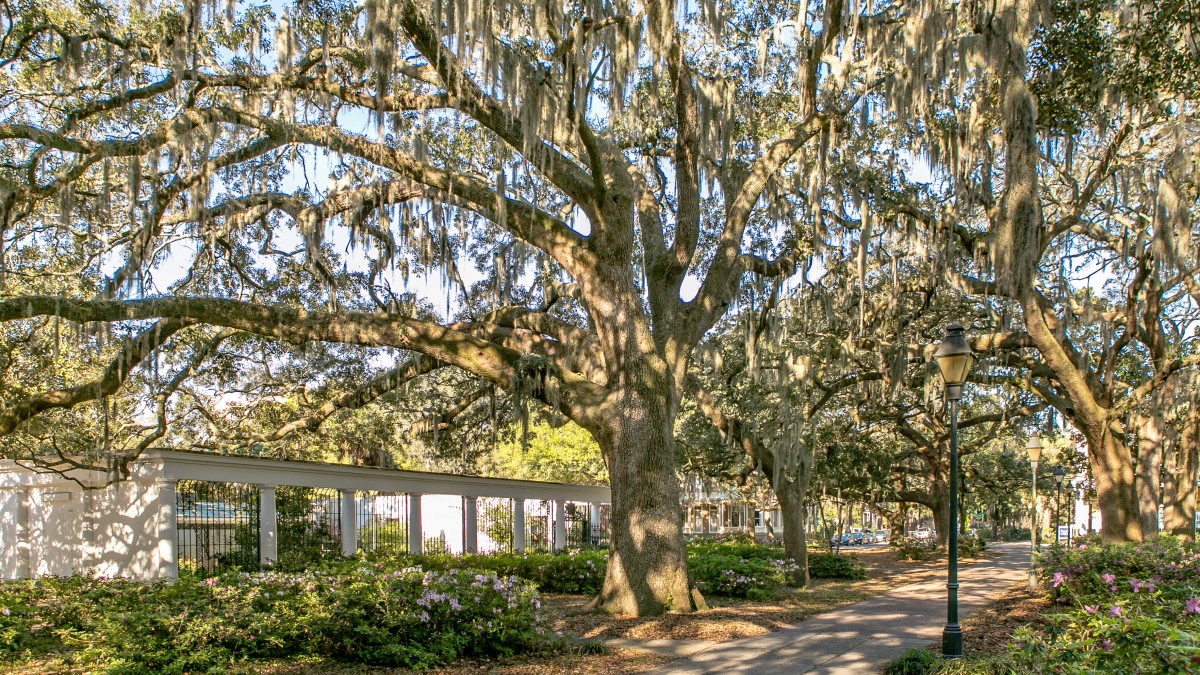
[131, 519]
[51, 525]
[14, 553]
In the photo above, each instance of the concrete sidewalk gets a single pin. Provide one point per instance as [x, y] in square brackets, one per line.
[863, 637]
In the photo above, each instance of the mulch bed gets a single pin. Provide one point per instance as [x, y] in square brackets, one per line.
[989, 629]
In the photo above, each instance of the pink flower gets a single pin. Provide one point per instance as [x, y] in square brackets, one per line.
[1114, 611]
[1192, 607]
[210, 582]
[1058, 579]
[1106, 645]
[1091, 609]
[1136, 585]
[1107, 578]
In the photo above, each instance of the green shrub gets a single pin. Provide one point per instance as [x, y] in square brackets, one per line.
[368, 614]
[1131, 607]
[1019, 534]
[738, 548]
[912, 662]
[1079, 642]
[829, 566]
[735, 576]
[926, 662]
[975, 664]
[911, 548]
[971, 545]
[579, 572]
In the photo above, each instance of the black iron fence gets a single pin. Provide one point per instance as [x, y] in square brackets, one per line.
[309, 522]
[537, 526]
[217, 524]
[382, 522]
[495, 524]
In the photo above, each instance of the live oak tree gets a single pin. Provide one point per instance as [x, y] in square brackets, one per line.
[204, 164]
[1062, 140]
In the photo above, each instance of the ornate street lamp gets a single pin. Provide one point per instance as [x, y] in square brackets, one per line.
[1059, 474]
[1034, 448]
[954, 359]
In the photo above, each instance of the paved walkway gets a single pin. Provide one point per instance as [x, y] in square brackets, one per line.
[863, 637]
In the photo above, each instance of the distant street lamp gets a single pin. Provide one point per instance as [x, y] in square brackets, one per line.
[954, 359]
[1034, 448]
[1059, 474]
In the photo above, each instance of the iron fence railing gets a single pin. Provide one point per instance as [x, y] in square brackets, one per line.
[309, 523]
[382, 519]
[495, 524]
[537, 526]
[217, 524]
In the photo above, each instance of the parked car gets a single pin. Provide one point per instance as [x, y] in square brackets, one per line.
[880, 536]
[921, 533]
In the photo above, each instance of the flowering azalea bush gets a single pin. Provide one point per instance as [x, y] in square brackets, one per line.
[736, 576]
[407, 617]
[1132, 608]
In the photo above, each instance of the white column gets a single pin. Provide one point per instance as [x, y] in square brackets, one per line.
[470, 525]
[594, 523]
[349, 524]
[167, 547]
[518, 525]
[25, 565]
[560, 526]
[268, 533]
[416, 533]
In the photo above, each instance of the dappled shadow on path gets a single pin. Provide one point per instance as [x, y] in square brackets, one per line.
[862, 637]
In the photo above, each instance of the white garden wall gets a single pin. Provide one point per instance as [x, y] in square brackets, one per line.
[51, 525]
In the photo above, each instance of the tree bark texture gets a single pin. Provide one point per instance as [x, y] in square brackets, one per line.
[647, 564]
[1181, 476]
[1152, 440]
[792, 495]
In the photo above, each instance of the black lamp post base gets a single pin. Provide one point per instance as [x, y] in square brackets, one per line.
[952, 642]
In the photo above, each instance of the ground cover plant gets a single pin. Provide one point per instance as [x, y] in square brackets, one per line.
[372, 614]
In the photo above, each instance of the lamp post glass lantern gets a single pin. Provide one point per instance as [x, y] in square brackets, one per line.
[1034, 448]
[954, 359]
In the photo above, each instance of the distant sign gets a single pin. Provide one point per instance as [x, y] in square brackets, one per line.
[1064, 531]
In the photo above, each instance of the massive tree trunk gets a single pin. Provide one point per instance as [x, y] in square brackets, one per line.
[1112, 466]
[896, 522]
[647, 563]
[1152, 438]
[1181, 476]
[792, 494]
